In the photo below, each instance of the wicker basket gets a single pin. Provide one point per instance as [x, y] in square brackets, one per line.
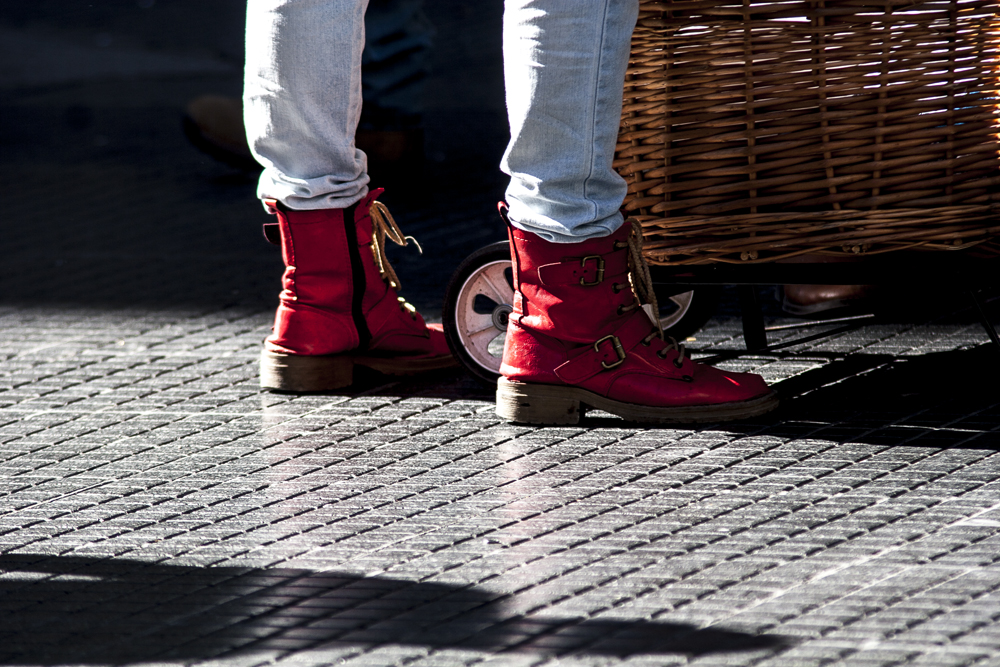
[758, 131]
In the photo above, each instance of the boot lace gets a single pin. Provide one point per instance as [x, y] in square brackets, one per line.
[642, 288]
[384, 226]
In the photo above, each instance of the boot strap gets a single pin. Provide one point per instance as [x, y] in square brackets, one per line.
[272, 230]
[606, 353]
[586, 271]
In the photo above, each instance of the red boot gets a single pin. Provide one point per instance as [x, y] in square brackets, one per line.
[339, 306]
[578, 337]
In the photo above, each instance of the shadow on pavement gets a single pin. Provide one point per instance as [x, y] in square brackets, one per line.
[937, 399]
[897, 384]
[83, 610]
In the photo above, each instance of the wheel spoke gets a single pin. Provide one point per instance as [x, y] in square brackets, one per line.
[492, 283]
[475, 324]
[481, 346]
[478, 333]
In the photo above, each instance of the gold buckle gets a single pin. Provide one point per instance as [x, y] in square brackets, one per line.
[600, 270]
[619, 350]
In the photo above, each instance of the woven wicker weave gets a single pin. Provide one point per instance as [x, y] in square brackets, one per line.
[762, 130]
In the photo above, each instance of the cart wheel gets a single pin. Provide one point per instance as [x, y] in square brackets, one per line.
[683, 314]
[478, 301]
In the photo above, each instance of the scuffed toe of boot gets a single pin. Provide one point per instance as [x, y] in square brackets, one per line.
[712, 385]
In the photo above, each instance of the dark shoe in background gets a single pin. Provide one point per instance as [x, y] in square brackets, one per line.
[823, 300]
[214, 124]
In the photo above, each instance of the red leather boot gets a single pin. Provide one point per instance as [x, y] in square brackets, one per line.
[339, 307]
[578, 337]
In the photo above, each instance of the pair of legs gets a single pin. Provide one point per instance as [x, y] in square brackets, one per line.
[578, 333]
[303, 102]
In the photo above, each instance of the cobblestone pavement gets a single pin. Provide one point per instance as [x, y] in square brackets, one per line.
[159, 508]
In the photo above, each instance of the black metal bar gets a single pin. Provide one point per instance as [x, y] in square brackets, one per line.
[722, 356]
[754, 335]
[817, 336]
[985, 319]
[819, 323]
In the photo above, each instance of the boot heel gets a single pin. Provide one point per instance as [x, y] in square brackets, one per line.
[298, 373]
[537, 403]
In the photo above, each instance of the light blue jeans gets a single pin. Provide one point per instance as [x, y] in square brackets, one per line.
[564, 66]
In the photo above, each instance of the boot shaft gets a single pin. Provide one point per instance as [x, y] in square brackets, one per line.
[323, 285]
[577, 292]
[567, 298]
[338, 289]
[314, 246]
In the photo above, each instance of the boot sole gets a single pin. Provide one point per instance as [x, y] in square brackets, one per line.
[525, 403]
[301, 373]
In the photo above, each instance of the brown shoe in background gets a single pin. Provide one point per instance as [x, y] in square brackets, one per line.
[813, 300]
[821, 300]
